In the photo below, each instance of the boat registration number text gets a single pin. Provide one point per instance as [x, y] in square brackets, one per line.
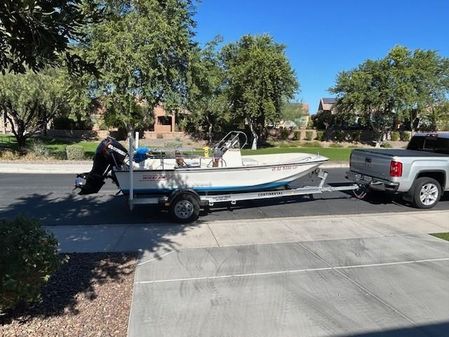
[284, 167]
[156, 177]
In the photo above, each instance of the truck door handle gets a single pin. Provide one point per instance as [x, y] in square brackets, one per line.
[368, 160]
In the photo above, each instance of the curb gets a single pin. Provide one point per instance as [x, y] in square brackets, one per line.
[47, 168]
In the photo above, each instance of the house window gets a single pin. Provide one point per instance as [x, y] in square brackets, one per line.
[164, 120]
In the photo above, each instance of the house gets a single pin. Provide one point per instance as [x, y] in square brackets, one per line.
[163, 122]
[327, 105]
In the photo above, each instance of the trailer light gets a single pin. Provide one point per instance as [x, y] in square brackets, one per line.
[395, 169]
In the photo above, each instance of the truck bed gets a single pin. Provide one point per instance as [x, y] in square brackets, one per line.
[402, 153]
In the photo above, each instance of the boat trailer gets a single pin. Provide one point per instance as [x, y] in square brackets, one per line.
[184, 205]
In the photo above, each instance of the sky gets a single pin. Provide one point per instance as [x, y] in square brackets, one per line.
[324, 37]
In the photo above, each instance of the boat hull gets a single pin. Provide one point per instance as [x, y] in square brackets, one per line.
[210, 180]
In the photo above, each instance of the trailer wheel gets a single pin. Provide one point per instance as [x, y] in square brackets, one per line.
[425, 192]
[185, 208]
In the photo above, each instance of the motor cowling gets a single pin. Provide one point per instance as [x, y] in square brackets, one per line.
[110, 153]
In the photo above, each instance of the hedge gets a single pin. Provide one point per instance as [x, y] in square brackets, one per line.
[395, 136]
[309, 135]
[405, 136]
[74, 152]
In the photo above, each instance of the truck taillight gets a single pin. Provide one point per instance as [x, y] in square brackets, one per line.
[395, 169]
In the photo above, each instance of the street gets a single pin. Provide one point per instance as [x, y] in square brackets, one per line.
[50, 199]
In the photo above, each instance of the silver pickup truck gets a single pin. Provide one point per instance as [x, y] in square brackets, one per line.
[419, 173]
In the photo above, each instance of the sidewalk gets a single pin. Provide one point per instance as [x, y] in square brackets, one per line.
[267, 277]
[74, 167]
[157, 239]
[50, 167]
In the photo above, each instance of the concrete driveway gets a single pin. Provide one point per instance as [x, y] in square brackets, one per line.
[389, 281]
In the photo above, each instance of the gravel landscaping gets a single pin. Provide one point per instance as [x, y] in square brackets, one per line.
[89, 296]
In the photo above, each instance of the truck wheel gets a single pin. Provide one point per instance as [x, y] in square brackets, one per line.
[425, 192]
[185, 208]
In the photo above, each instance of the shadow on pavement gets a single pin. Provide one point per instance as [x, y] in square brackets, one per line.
[433, 330]
[71, 209]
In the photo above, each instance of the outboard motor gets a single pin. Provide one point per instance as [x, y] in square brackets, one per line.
[110, 153]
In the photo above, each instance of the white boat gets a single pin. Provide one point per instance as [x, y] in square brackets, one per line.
[227, 171]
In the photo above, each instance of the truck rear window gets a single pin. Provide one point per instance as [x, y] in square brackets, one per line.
[429, 144]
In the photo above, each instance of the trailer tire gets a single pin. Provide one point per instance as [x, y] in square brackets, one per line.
[425, 192]
[185, 208]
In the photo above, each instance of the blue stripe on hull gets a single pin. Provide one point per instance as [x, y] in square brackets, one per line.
[254, 188]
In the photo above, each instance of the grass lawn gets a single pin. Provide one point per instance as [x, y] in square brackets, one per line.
[57, 147]
[444, 236]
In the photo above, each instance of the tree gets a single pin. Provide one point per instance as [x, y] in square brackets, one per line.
[34, 34]
[323, 120]
[403, 86]
[439, 117]
[142, 54]
[207, 102]
[294, 112]
[30, 100]
[431, 86]
[259, 79]
[366, 91]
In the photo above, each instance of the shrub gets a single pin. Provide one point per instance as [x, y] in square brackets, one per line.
[283, 134]
[395, 136]
[291, 135]
[62, 123]
[74, 152]
[386, 145]
[312, 144]
[320, 135]
[39, 149]
[309, 135]
[65, 123]
[356, 136]
[405, 136]
[297, 135]
[9, 155]
[284, 145]
[340, 136]
[28, 257]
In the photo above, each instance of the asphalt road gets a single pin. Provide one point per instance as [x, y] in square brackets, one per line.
[50, 199]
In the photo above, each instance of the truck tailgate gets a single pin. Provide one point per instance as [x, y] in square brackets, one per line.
[371, 163]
